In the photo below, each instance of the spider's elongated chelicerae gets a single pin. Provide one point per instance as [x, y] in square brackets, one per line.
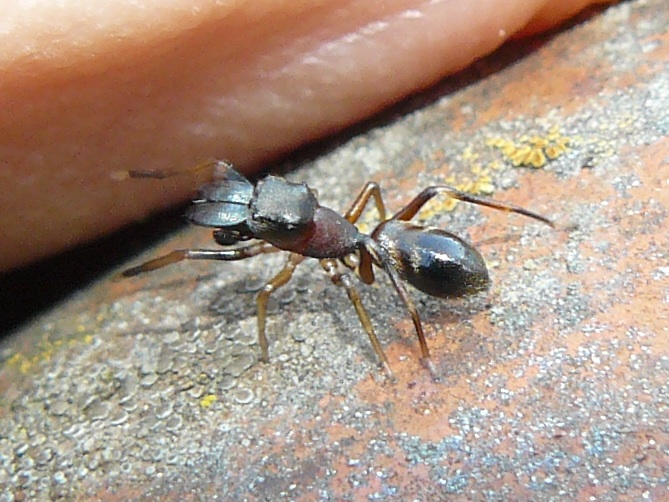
[276, 214]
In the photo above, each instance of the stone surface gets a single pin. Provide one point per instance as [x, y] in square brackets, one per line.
[554, 384]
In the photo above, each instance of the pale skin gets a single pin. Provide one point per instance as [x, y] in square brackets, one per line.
[89, 89]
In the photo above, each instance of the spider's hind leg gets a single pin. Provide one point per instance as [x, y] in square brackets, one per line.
[415, 205]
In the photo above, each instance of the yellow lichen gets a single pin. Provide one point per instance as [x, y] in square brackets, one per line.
[468, 154]
[528, 151]
[532, 151]
[484, 186]
[208, 400]
[21, 362]
[44, 351]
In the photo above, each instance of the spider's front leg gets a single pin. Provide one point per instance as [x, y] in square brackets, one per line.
[240, 253]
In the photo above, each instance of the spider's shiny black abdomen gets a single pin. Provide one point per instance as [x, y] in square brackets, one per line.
[432, 260]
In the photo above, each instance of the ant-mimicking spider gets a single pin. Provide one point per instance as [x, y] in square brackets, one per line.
[282, 215]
